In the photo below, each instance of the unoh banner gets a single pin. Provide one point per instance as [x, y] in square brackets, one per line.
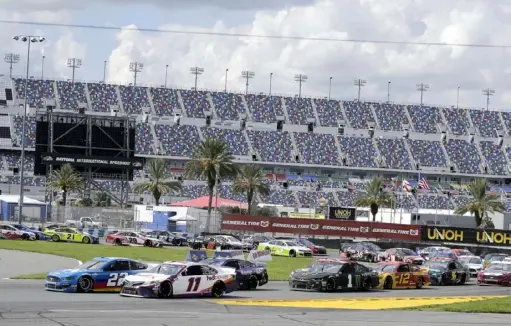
[468, 236]
[322, 227]
[342, 213]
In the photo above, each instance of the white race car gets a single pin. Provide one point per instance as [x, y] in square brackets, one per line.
[172, 279]
[11, 233]
[285, 248]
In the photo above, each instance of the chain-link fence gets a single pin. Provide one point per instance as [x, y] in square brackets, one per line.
[107, 218]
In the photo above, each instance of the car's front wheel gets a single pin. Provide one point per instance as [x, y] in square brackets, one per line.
[218, 289]
[85, 284]
[165, 290]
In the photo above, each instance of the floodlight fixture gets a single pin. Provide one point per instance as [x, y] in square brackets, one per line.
[247, 75]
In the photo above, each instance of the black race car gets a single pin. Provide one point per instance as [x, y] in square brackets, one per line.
[331, 275]
[248, 274]
[447, 272]
[167, 238]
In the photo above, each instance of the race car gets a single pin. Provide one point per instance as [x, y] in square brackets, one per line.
[101, 274]
[401, 275]
[474, 263]
[446, 272]
[128, 238]
[39, 235]
[427, 252]
[362, 251]
[316, 250]
[462, 252]
[254, 240]
[67, 234]
[167, 238]
[172, 279]
[497, 273]
[331, 275]
[493, 257]
[443, 255]
[404, 254]
[249, 275]
[9, 232]
[225, 242]
[285, 248]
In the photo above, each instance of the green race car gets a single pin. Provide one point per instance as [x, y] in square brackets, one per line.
[68, 234]
[285, 248]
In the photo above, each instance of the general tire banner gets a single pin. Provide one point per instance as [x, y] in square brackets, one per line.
[468, 236]
[322, 227]
[342, 213]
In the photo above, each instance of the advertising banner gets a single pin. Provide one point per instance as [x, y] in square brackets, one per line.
[259, 255]
[82, 160]
[322, 227]
[342, 213]
[468, 236]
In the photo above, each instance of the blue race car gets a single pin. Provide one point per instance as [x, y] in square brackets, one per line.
[249, 275]
[39, 235]
[101, 274]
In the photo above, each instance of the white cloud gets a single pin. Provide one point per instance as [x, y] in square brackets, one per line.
[444, 68]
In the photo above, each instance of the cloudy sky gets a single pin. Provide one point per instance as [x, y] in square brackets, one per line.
[444, 68]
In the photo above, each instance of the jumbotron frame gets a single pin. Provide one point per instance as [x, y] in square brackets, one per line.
[90, 120]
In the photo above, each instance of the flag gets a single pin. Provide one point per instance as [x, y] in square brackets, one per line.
[406, 186]
[423, 183]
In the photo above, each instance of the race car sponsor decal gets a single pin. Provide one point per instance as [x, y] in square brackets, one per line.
[259, 255]
[236, 254]
[321, 227]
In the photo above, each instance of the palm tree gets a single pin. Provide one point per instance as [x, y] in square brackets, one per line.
[64, 180]
[250, 181]
[376, 197]
[212, 160]
[102, 199]
[482, 203]
[158, 183]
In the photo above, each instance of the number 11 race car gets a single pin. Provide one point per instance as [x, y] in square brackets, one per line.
[173, 279]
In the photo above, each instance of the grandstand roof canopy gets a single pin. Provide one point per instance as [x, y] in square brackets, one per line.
[15, 199]
[202, 202]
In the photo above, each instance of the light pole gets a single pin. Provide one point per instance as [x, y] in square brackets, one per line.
[74, 63]
[359, 83]
[196, 71]
[422, 87]
[42, 67]
[225, 84]
[388, 91]
[247, 75]
[11, 59]
[135, 68]
[330, 89]
[29, 39]
[166, 74]
[458, 97]
[488, 92]
[104, 71]
[271, 77]
[300, 79]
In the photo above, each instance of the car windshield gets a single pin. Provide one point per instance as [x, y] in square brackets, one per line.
[472, 260]
[498, 258]
[290, 243]
[499, 267]
[372, 247]
[167, 269]
[408, 252]
[436, 265]
[91, 264]
[445, 253]
[304, 242]
[330, 267]
[211, 261]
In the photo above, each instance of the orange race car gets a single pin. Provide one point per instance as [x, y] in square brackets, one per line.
[401, 275]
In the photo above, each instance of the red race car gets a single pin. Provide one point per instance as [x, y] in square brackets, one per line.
[497, 273]
[128, 238]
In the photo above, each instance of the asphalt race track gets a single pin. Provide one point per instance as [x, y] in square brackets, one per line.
[15, 263]
[24, 302]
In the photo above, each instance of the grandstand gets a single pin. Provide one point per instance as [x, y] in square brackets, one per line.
[310, 148]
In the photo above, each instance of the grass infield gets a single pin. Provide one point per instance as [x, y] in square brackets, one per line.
[495, 306]
[278, 269]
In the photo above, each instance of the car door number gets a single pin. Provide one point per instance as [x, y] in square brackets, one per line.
[350, 281]
[193, 284]
[453, 276]
[70, 236]
[403, 279]
[116, 279]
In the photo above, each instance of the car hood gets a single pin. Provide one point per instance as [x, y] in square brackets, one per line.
[494, 273]
[299, 248]
[70, 272]
[147, 277]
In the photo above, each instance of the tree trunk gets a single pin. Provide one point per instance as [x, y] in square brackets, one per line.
[156, 196]
[210, 205]
[250, 196]
[478, 217]
[374, 211]
[64, 197]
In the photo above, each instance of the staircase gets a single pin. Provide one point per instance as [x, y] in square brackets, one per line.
[343, 110]
[340, 155]
[245, 106]
[212, 106]
[250, 147]
[483, 159]
[284, 108]
[57, 96]
[201, 135]
[87, 96]
[315, 112]
[375, 117]
[119, 100]
[157, 147]
[151, 104]
[409, 151]
[181, 104]
[409, 117]
[295, 147]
